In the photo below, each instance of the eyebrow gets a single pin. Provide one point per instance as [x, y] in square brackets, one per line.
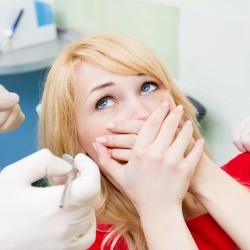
[101, 86]
[106, 85]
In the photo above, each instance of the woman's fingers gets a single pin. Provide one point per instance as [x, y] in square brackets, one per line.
[118, 140]
[182, 140]
[106, 163]
[194, 156]
[128, 126]
[152, 126]
[120, 154]
[168, 129]
[168, 98]
[160, 128]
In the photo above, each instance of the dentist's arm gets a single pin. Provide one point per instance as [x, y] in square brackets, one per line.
[30, 217]
[11, 115]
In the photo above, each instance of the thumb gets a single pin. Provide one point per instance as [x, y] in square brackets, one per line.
[107, 164]
[87, 185]
[104, 157]
[36, 166]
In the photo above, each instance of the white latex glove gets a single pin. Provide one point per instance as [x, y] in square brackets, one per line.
[30, 217]
[241, 135]
[11, 115]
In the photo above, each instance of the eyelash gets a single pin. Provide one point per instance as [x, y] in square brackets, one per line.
[105, 95]
[151, 82]
[110, 96]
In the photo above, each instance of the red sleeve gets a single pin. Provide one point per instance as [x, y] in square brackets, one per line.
[239, 168]
[98, 241]
[102, 230]
[207, 234]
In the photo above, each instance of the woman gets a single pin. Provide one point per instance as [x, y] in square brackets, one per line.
[100, 93]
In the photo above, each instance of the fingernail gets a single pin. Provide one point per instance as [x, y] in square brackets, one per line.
[11, 97]
[180, 107]
[101, 139]
[110, 125]
[189, 122]
[166, 104]
[202, 141]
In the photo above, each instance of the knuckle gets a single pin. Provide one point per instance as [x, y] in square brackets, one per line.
[132, 140]
[46, 153]
[156, 155]
[246, 141]
[172, 161]
[140, 153]
[186, 132]
[152, 121]
[171, 123]
[186, 164]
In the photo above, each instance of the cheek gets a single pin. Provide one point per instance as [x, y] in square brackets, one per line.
[88, 134]
[88, 131]
[154, 100]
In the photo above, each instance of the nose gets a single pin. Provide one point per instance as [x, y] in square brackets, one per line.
[137, 110]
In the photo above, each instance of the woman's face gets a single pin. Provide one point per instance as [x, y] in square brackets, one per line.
[104, 97]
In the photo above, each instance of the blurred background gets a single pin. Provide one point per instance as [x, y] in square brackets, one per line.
[204, 44]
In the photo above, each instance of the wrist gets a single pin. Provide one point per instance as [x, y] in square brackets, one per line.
[155, 214]
[166, 229]
[204, 175]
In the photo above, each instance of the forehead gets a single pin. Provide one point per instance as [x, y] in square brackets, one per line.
[89, 73]
[87, 70]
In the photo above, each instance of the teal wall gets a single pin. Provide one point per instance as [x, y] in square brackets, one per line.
[22, 141]
[155, 24]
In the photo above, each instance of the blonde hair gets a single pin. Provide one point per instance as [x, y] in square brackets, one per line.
[57, 129]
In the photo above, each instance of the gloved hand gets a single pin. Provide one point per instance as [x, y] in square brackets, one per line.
[241, 135]
[11, 115]
[30, 217]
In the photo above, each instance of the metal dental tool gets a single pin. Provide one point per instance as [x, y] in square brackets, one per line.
[71, 176]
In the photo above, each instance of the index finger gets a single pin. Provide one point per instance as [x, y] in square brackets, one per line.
[8, 100]
[36, 166]
[126, 126]
[152, 126]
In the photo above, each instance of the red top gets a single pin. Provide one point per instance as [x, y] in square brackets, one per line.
[207, 234]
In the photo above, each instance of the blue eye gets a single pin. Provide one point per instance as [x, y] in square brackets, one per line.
[104, 102]
[148, 87]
